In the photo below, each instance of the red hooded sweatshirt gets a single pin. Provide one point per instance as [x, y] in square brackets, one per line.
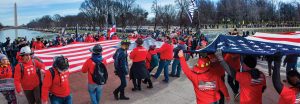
[30, 78]
[5, 72]
[89, 39]
[138, 54]
[38, 45]
[89, 67]
[206, 85]
[149, 58]
[59, 86]
[166, 51]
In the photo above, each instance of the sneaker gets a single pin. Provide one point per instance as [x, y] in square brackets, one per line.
[134, 89]
[166, 81]
[171, 75]
[124, 98]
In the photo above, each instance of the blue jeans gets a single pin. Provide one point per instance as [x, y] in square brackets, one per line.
[95, 92]
[163, 64]
[176, 65]
[61, 100]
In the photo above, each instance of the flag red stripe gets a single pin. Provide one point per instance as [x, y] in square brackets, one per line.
[296, 40]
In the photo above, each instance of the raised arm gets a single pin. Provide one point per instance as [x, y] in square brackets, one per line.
[227, 68]
[184, 66]
[276, 74]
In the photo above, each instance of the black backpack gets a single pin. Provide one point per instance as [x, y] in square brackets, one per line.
[99, 75]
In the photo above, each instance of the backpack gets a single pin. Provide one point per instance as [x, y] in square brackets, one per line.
[154, 61]
[52, 73]
[100, 75]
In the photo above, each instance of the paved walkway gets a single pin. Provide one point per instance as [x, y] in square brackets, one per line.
[177, 91]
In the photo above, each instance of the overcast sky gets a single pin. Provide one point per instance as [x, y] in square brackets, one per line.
[31, 9]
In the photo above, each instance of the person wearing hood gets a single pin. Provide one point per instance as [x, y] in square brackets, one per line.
[288, 93]
[252, 81]
[95, 63]
[56, 83]
[27, 76]
[121, 69]
[6, 72]
[138, 69]
[206, 84]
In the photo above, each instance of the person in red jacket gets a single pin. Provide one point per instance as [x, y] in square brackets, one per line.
[138, 69]
[56, 82]
[6, 73]
[95, 90]
[219, 71]
[166, 56]
[114, 37]
[206, 84]
[252, 81]
[38, 44]
[102, 38]
[234, 61]
[289, 92]
[89, 38]
[151, 63]
[27, 76]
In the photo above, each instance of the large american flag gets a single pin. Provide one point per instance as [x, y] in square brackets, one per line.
[259, 44]
[77, 53]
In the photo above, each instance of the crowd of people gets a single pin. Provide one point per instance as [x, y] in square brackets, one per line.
[41, 85]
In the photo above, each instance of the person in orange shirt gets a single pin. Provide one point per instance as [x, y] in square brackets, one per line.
[206, 83]
[95, 85]
[252, 81]
[5, 73]
[166, 56]
[56, 82]
[138, 69]
[27, 76]
[289, 93]
[38, 44]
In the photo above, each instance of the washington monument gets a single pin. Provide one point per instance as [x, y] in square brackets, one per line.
[16, 20]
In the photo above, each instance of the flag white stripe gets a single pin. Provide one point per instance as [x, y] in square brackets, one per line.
[78, 57]
[271, 41]
[82, 51]
[75, 45]
[270, 35]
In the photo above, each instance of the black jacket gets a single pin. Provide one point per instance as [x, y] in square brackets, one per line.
[121, 61]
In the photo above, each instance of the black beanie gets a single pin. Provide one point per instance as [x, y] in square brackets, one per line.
[250, 61]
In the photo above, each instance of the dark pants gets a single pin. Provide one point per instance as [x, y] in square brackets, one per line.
[176, 67]
[123, 84]
[137, 83]
[33, 96]
[233, 84]
[60, 100]
[270, 67]
[10, 96]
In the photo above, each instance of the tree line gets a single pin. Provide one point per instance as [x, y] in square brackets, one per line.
[124, 13]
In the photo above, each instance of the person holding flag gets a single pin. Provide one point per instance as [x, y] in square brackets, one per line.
[206, 84]
[252, 81]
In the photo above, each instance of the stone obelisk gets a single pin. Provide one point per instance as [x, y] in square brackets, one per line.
[16, 21]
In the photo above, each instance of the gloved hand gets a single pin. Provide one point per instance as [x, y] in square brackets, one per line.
[219, 55]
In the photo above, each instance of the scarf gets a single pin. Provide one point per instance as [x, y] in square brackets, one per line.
[97, 58]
